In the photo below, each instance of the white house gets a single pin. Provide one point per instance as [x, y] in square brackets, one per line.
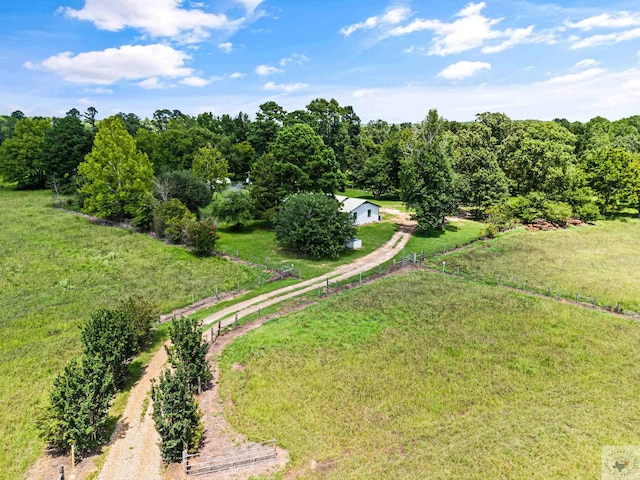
[363, 211]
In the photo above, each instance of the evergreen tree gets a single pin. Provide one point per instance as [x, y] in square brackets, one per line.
[78, 408]
[21, 154]
[188, 350]
[176, 414]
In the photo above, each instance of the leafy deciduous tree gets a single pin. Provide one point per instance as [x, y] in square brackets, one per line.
[118, 179]
[314, 224]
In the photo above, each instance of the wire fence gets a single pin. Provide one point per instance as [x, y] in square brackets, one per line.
[526, 285]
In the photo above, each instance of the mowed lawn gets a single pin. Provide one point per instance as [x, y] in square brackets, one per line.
[602, 260]
[256, 242]
[425, 376]
[55, 270]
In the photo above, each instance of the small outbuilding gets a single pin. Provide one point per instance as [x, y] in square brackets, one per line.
[362, 211]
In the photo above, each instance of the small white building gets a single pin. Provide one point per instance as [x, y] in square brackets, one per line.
[362, 211]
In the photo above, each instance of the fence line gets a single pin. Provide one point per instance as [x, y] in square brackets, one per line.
[519, 284]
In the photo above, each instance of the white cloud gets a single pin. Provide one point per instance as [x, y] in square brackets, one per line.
[295, 58]
[392, 16]
[195, 82]
[152, 83]
[463, 69]
[265, 70]
[226, 47]
[250, 5]
[106, 67]
[99, 90]
[157, 18]
[605, 39]
[587, 62]
[236, 75]
[364, 92]
[285, 87]
[471, 30]
[577, 77]
[606, 20]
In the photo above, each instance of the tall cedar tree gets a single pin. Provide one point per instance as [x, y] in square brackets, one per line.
[176, 414]
[189, 350]
[118, 179]
[66, 144]
[111, 336]
[78, 407]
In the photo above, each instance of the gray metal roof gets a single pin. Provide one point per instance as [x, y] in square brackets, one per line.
[350, 204]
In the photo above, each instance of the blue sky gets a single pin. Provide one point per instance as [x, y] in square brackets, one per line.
[389, 59]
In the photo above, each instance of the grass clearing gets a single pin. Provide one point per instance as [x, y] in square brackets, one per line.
[56, 270]
[600, 260]
[423, 375]
[455, 233]
[256, 242]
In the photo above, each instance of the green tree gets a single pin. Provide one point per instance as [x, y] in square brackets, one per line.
[609, 177]
[376, 175]
[21, 154]
[313, 223]
[235, 207]
[188, 350]
[184, 185]
[262, 133]
[118, 180]
[77, 413]
[211, 167]
[176, 414]
[428, 181]
[176, 147]
[110, 336]
[202, 236]
[65, 145]
[482, 182]
[241, 156]
[304, 163]
[634, 181]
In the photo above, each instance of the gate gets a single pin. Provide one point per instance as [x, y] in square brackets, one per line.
[198, 464]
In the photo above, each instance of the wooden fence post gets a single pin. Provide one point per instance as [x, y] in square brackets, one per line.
[61, 473]
[236, 321]
[184, 460]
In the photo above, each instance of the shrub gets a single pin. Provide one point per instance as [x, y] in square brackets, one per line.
[170, 219]
[202, 236]
[313, 224]
[589, 212]
[141, 313]
[235, 207]
[557, 212]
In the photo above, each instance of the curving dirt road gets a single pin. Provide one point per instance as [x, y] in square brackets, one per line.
[134, 452]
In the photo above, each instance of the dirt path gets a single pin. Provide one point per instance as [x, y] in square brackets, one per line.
[133, 453]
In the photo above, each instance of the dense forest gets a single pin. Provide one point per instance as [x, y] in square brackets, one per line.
[500, 169]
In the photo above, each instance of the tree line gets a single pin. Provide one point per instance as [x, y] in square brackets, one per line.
[493, 165]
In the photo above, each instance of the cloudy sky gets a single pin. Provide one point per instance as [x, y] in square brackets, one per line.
[391, 60]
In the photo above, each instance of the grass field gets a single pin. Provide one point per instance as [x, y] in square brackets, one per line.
[454, 234]
[424, 376]
[256, 242]
[600, 261]
[56, 270]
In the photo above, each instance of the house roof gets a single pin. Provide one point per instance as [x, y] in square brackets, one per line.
[350, 204]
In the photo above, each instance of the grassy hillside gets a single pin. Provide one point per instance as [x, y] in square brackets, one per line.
[601, 261]
[421, 375]
[56, 269]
